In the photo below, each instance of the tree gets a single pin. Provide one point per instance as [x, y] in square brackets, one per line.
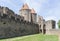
[59, 23]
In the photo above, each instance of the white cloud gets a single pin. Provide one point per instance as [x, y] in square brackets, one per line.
[10, 4]
[50, 18]
[36, 4]
[7, 2]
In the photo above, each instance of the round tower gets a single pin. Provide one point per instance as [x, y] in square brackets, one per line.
[25, 12]
[42, 25]
[33, 16]
[5, 9]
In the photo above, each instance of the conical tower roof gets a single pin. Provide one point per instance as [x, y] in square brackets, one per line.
[33, 11]
[25, 6]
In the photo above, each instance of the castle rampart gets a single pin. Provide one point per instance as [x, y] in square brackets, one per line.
[15, 25]
[12, 25]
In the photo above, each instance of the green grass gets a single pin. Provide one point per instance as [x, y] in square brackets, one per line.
[36, 37]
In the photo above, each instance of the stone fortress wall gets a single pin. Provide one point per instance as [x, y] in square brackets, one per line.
[12, 25]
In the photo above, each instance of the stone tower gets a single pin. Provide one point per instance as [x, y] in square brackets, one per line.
[33, 16]
[5, 9]
[50, 24]
[25, 12]
[41, 23]
[1, 9]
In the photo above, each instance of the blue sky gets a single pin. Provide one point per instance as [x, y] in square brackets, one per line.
[49, 9]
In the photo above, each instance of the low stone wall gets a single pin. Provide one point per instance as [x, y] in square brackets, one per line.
[53, 31]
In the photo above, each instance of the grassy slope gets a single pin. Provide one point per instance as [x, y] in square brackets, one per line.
[36, 37]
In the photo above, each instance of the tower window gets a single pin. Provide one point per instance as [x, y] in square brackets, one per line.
[4, 22]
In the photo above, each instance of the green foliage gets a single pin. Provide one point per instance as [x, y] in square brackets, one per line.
[37, 37]
[59, 23]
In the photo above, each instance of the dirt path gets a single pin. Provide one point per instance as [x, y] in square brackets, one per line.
[59, 37]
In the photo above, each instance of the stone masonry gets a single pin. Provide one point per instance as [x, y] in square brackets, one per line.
[26, 23]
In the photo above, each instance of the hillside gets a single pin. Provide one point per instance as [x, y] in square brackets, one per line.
[36, 37]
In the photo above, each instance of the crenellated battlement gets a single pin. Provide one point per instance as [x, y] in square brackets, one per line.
[16, 18]
[12, 25]
[6, 10]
